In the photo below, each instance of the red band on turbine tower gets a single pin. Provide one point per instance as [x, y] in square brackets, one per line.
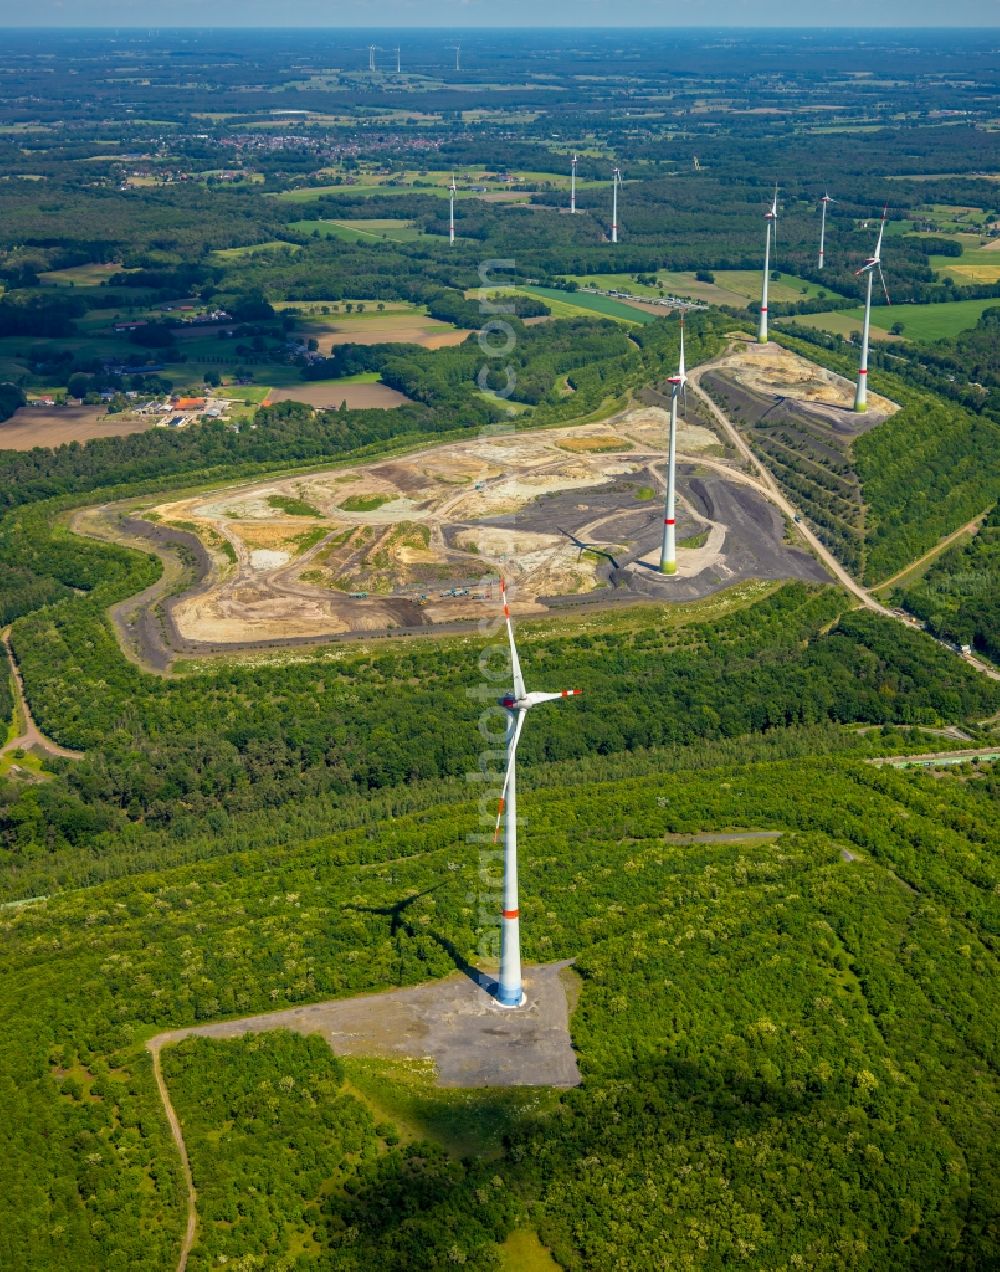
[863, 371]
[763, 309]
[511, 914]
[668, 521]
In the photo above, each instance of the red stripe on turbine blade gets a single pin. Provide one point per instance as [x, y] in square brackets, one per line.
[511, 914]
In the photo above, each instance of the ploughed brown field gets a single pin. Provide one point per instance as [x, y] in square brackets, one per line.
[331, 394]
[55, 425]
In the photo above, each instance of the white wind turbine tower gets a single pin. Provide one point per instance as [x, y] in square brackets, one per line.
[516, 704]
[458, 55]
[399, 64]
[668, 553]
[616, 178]
[572, 186]
[771, 218]
[371, 56]
[451, 210]
[873, 263]
[822, 227]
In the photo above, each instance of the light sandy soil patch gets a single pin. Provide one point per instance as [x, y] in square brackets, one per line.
[331, 394]
[565, 524]
[55, 425]
[271, 535]
[650, 426]
[268, 559]
[774, 370]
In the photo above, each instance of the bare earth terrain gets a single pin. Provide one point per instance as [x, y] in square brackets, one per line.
[54, 425]
[327, 394]
[569, 515]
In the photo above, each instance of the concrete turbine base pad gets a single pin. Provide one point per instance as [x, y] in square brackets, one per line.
[457, 1023]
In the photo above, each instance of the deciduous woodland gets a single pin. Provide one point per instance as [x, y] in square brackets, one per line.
[750, 835]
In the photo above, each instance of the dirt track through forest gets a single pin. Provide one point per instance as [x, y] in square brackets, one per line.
[31, 738]
[191, 1227]
[455, 1022]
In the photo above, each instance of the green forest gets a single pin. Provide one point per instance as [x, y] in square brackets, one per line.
[959, 596]
[812, 1013]
[783, 986]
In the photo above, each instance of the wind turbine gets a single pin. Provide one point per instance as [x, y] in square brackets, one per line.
[668, 553]
[572, 186]
[822, 226]
[399, 65]
[516, 704]
[371, 56]
[451, 210]
[771, 217]
[458, 55]
[873, 263]
[616, 178]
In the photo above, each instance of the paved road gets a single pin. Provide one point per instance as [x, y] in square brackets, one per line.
[938, 757]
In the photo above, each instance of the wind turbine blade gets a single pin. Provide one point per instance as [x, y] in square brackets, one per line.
[511, 750]
[515, 662]
[884, 288]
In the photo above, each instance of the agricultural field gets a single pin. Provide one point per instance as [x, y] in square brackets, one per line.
[33, 426]
[357, 394]
[785, 287]
[395, 322]
[583, 302]
[392, 229]
[979, 263]
[731, 287]
[919, 322]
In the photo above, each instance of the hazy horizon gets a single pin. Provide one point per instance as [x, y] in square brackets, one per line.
[470, 15]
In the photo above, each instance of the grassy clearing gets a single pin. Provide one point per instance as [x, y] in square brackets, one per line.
[364, 503]
[292, 506]
[89, 275]
[463, 1122]
[524, 1252]
[256, 249]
